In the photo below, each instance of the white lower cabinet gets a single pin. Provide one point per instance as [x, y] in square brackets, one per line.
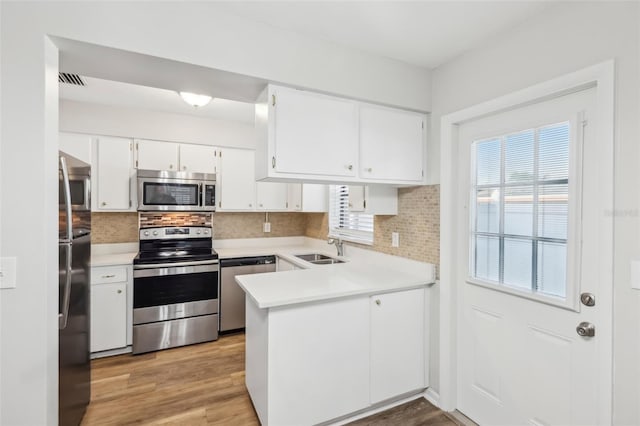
[111, 307]
[397, 343]
[313, 363]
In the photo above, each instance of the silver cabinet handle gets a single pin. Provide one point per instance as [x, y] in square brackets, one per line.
[119, 291]
[171, 166]
[349, 166]
[378, 302]
[104, 203]
[108, 276]
[250, 205]
[369, 169]
[184, 167]
[260, 205]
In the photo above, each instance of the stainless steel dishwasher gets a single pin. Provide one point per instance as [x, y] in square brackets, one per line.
[232, 307]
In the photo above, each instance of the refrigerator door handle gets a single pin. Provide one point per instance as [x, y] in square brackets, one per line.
[67, 198]
[66, 296]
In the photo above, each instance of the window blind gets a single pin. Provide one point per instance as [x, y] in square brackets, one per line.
[346, 223]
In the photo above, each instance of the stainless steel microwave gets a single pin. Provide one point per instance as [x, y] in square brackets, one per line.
[79, 174]
[176, 191]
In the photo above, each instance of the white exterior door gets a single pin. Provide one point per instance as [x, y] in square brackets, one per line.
[529, 239]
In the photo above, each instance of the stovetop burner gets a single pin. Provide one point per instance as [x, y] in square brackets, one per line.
[175, 244]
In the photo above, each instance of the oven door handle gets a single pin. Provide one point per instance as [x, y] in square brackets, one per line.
[173, 269]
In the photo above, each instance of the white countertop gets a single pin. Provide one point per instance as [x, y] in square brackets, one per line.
[113, 254]
[364, 273]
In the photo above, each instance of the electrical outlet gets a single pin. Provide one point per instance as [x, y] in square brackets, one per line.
[8, 272]
[266, 227]
[395, 239]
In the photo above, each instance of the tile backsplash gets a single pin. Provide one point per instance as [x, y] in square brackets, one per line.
[418, 223]
[149, 219]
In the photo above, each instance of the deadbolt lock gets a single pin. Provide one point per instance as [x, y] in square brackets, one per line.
[588, 299]
[586, 329]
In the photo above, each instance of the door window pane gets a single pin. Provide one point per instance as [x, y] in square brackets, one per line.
[488, 210]
[517, 263]
[521, 195]
[518, 210]
[488, 162]
[553, 211]
[552, 271]
[487, 262]
[519, 157]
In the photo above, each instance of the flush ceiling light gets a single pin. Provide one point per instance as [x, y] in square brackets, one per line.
[194, 99]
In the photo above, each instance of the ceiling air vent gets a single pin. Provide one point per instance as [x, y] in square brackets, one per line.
[74, 79]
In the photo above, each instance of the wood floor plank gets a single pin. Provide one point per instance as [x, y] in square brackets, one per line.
[200, 385]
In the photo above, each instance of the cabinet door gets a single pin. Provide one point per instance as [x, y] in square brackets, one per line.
[314, 134]
[271, 196]
[197, 158]
[397, 343]
[237, 184]
[156, 155]
[295, 197]
[76, 145]
[108, 316]
[315, 197]
[391, 144]
[114, 173]
[356, 198]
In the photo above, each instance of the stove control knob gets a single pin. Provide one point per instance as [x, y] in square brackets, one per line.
[146, 233]
[155, 232]
[206, 231]
[198, 232]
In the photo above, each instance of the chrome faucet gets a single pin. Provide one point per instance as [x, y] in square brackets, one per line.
[338, 243]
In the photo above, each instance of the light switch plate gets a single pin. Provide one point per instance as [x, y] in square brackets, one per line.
[395, 239]
[635, 274]
[7, 272]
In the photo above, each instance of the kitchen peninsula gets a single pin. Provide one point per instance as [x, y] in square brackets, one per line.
[328, 341]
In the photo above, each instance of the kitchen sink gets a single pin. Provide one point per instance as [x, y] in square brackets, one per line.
[318, 259]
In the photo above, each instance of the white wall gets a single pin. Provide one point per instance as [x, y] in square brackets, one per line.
[95, 119]
[566, 38]
[190, 32]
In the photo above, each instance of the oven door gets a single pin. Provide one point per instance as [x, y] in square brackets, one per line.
[173, 291]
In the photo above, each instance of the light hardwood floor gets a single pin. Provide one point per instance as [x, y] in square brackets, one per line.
[200, 385]
[193, 385]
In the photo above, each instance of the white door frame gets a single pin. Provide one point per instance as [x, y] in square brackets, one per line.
[600, 76]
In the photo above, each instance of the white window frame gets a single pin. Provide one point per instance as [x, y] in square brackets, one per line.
[574, 223]
[347, 233]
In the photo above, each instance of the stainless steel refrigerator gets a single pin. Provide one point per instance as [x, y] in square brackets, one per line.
[74, 247]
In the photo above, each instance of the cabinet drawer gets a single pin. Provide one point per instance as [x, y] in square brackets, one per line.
[109, 274]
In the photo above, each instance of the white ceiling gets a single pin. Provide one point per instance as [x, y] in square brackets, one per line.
[424, 33]
[115, 93]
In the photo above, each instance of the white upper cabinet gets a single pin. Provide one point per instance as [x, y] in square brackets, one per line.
[271, 196]
[197, 158]
[373, 199]
[77, 145]
[237, 184]
[156, 155]
[307, 136]
[308, 197]
[391, 144]
[113, 175]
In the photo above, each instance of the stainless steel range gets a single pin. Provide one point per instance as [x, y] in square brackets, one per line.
[175, 288]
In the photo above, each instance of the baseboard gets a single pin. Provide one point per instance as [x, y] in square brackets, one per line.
[374, 409]
[111, 352]
[432, 396]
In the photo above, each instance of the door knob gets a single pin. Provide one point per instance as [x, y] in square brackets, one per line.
[586, 329]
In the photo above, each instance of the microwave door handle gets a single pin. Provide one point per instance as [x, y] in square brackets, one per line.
[67, 197]
[201, 195]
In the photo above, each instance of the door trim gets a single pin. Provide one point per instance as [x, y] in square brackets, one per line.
[600, 76]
